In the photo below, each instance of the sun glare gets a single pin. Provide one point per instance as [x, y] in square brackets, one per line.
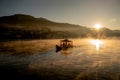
[97, 43]
[98, 26]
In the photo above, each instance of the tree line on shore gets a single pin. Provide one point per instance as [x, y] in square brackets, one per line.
[21, 26]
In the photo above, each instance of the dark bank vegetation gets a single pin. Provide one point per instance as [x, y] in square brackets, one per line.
[21, 26]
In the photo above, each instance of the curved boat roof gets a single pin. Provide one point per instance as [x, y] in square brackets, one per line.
[66, 40]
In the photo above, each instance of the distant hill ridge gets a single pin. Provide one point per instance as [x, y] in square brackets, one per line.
[22, 26]
[23, 19]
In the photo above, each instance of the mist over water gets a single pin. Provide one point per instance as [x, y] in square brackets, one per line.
[89, 60]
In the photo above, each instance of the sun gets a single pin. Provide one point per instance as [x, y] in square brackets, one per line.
[97, 26]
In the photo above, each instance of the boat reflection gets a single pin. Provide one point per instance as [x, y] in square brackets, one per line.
[66, 52]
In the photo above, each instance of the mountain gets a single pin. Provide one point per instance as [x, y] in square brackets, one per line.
[21, 26]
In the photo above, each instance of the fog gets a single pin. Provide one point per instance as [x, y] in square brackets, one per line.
[86, 61]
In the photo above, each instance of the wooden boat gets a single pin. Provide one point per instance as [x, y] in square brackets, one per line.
[64, 45]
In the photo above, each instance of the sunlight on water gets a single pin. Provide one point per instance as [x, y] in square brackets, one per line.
[90, 59]
[97, 43]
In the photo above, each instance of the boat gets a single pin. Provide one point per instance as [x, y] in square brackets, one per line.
[64, 45]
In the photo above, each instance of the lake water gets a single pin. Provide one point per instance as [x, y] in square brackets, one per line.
[88, 60]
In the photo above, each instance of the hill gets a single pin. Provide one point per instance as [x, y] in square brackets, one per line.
[21, 26]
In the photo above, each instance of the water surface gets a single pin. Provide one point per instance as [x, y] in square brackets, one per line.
[88, 61]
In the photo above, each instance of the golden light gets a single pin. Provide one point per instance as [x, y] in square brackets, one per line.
[97, 43]
[98, 26]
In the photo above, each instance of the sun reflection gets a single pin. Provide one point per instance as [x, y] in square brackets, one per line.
[97, 43]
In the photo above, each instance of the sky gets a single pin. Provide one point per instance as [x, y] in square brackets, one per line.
[79, 12]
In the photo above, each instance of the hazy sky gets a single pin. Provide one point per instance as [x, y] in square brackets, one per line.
[82, 12]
